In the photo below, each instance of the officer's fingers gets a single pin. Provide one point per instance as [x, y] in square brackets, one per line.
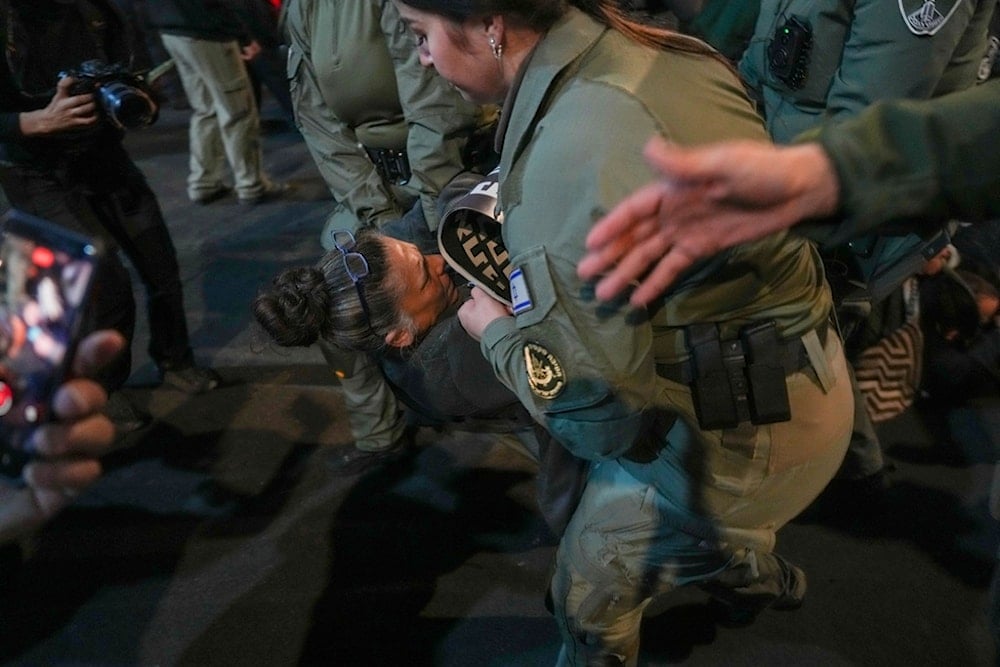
[641, 205]
[661, 277]
[700, 165]
[96, 351]
[631, 266]
[619, 249]
[466, 312]
[476, 293]
[484, 302]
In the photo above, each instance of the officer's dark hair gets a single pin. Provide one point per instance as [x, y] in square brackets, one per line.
[541, 15]
[308, 303]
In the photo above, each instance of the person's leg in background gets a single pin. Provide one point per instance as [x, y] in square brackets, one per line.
[207, 156]
[225, 76]
[378, 422]
[132, 215]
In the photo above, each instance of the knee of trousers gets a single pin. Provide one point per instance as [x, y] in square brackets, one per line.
[597, 602]
[598, 626]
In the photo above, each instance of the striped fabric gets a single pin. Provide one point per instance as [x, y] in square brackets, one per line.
[888, 373]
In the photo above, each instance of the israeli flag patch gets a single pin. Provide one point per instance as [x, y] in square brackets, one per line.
[520, 297]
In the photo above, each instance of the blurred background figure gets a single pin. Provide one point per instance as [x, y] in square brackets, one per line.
[209, 43]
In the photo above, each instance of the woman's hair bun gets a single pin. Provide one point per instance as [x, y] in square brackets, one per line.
[295, 311]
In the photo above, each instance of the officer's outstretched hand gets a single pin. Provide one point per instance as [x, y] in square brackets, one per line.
[64, 113]
[67, 448]
[477, 313]
[707, 199]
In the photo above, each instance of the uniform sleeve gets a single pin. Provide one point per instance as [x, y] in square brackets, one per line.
[927, 160]
[583, 369]
[883, 59]
[439, 119]
[341, 161]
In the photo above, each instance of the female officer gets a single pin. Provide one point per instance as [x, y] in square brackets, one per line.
[711, 419]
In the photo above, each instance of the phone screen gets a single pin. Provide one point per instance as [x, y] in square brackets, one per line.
[45, 277]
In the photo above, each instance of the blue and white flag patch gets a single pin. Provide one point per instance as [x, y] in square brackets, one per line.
[520, 296]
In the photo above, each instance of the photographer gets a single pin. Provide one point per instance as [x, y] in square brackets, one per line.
[62, 159]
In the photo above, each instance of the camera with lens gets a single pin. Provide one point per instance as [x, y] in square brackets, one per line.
[788, 53]
[117, 92]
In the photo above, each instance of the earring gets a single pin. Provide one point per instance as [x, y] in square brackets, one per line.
[497, 48]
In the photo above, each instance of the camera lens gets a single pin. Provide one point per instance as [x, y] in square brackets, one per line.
[126, 106]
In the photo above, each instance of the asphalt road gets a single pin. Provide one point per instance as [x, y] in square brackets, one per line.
[220, 537]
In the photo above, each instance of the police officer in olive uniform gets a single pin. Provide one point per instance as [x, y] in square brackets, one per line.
[383, 130]
[811, 60]
[710, 420]
[385, 134]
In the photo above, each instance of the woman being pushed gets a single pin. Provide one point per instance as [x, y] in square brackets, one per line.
[397, 301]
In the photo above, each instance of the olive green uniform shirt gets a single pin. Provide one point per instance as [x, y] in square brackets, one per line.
[356, 78]
[863, 51]
[572, 136]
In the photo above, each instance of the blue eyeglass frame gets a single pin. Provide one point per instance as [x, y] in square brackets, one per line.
[343, 240]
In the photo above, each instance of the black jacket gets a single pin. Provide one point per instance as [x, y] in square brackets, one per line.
[211, 20]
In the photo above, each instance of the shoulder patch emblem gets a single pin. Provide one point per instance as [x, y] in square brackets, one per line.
[925, 17]
[545, 374]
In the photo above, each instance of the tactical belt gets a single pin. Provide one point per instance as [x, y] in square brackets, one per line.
[742, 379]
[391, 164]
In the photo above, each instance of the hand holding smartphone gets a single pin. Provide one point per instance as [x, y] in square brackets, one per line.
[46, 274]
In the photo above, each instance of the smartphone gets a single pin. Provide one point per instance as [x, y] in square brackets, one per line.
[46, 274]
